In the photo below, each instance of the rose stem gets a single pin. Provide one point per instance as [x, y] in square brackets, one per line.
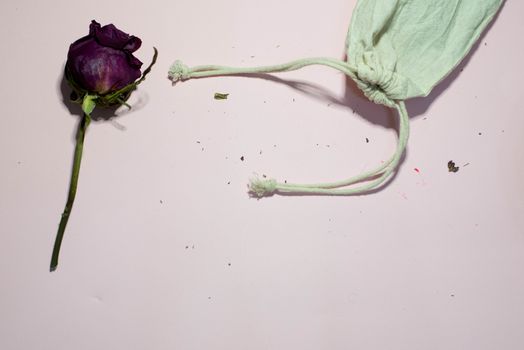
[82, 127]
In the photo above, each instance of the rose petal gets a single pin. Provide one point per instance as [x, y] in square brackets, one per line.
[101, 69]
[134, 62]
[111, 36]
[93, 27]
[133, 44]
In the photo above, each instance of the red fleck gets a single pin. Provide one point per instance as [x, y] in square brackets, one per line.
[417, 170]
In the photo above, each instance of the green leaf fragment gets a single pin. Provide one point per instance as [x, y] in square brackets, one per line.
[220, 96]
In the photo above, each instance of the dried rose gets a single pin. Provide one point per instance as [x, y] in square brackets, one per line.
[102, 71]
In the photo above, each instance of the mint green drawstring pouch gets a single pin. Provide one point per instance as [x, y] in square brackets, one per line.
[396, 50]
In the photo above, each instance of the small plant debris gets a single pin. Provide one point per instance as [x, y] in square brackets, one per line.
[221, 96]
[451, 167]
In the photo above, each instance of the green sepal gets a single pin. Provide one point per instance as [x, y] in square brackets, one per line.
[89, 103]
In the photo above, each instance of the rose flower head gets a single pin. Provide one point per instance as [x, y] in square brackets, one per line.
[103, 61]
[101, 64]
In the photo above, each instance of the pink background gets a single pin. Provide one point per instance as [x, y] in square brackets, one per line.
[165, 249]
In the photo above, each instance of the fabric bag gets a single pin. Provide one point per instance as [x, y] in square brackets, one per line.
[396, 50]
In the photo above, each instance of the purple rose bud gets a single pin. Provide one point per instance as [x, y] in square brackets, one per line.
[103, 62]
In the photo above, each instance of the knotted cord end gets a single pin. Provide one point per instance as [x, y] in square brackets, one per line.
[179, 72]
[262, 187]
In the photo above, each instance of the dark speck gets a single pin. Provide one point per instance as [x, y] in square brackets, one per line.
[161, 202]
[451, 167]
[480, 134]
[367, 140]
[242, 158]
[229, 182]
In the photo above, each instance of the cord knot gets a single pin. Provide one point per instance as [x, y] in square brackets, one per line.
[262, 187]
[379, 84]
[179, 72]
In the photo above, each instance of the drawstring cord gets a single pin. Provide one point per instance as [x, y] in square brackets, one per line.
[376, 177]
[180, 71]
[266, 187]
